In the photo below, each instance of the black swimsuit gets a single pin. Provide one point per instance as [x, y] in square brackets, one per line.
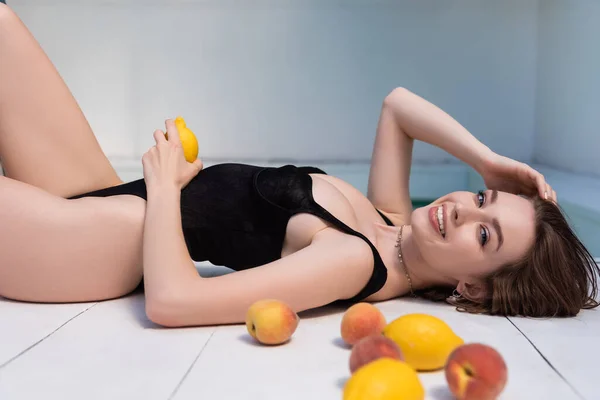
[236, 215]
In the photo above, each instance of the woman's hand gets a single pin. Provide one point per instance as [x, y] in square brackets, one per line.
[507, 175]
[165, 165]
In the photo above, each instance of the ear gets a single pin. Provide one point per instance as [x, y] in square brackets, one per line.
[475, 290]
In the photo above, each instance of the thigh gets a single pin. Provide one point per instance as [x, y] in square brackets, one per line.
[45, 140]
[57, 250]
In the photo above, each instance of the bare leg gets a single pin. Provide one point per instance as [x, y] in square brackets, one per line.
[57, 250]
[45, 139]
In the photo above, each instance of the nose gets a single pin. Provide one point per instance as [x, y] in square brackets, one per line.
[462, 214]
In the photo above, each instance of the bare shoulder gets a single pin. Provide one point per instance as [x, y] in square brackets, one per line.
[345, 244]
[351, 257]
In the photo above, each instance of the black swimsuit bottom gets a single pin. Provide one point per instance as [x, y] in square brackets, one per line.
[236, 215]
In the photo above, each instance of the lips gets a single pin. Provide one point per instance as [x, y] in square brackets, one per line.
[434, 221]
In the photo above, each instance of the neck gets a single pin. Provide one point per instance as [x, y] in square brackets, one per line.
[421, 274]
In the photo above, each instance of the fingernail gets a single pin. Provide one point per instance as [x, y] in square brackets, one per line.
[546, 195]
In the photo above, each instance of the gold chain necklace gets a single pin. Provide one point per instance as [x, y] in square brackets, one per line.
[399, 246]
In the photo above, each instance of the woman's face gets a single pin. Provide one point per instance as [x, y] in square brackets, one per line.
[481, 232]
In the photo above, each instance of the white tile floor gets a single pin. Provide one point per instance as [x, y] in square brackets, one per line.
[109, 350]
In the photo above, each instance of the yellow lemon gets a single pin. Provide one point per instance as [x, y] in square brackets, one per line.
[426, 341]
[384, 379]
[188, 140]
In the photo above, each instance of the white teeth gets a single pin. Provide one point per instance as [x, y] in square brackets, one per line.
[440, 218]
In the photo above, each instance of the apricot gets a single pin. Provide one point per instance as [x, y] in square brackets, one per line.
[371, 348]
[361, 320]
[271, 321]
[475, 371]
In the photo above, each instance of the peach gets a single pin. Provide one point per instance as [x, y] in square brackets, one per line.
[271, 321]
[361, 320]
[371, 348]
[475, 371]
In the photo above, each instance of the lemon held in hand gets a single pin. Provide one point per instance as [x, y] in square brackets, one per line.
[188, 140]
[426, 341]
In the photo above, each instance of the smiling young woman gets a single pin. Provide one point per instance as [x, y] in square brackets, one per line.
[72, 231]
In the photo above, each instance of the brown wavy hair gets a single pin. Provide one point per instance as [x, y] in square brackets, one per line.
[556, 278]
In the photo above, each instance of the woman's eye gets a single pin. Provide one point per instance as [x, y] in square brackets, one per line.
[484, 235]
[481, 197]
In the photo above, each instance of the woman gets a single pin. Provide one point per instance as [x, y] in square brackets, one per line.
[73, 231]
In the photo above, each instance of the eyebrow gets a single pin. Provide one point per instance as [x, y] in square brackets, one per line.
[498, 232]
[496, 223]
[494, 196]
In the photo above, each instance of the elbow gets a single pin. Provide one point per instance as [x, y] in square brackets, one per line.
[160, 313]
[395, 96]
[165, 311]
[175, 306]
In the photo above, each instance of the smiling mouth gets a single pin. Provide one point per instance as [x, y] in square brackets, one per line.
[440, 220]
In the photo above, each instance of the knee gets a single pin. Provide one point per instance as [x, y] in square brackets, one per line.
[6, 15]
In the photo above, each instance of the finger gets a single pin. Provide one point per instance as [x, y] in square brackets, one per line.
[198, 164]
[540, 183]
[159, 136]
[146, 160]
[554, 196]
[173, 132]
[551, 193]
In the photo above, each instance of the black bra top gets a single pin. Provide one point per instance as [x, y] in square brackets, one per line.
[236, 215]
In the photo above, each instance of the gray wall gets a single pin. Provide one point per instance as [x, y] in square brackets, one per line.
[568, 85]
[291, 79]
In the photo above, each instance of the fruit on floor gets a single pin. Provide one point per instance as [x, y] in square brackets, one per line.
[425, 341]
[476, 371]
[188, 140]
[371, 348]
[384, 379]
[271, 321]
[361, 320]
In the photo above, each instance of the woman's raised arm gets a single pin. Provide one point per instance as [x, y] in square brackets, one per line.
[404, 118]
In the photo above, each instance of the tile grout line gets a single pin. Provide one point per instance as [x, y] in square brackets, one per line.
[172, 395]
[44, 338]
[546, 360]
